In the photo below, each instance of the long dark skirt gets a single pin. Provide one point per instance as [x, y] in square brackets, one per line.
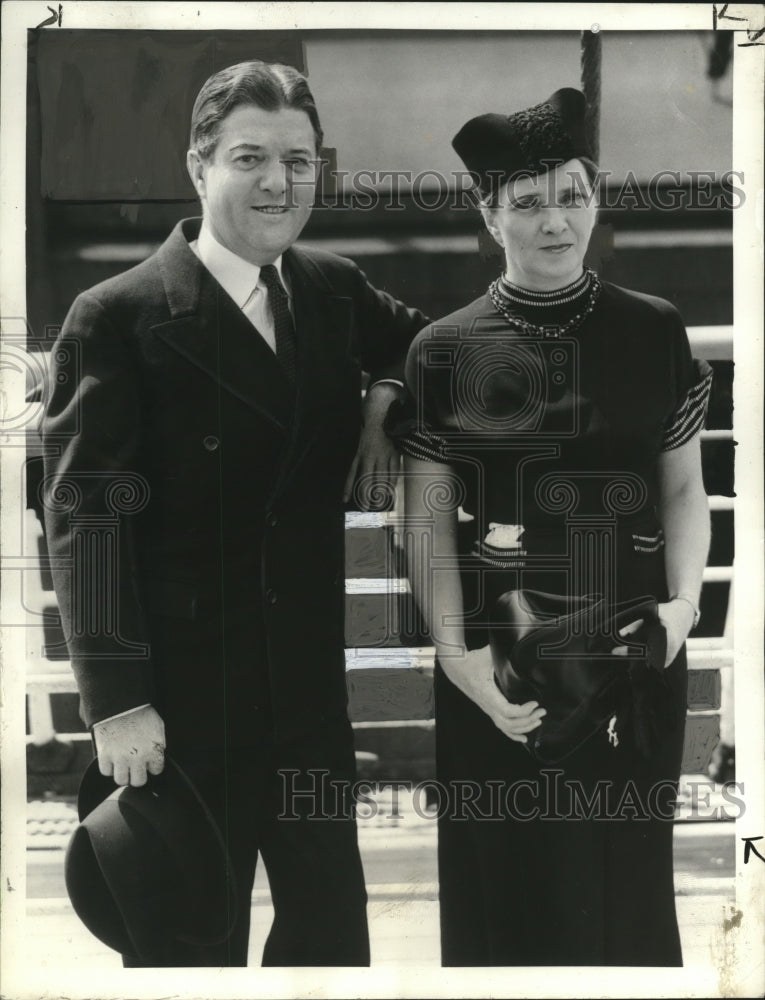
[555, 866]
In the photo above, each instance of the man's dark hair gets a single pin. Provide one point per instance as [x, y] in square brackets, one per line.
[270, 86]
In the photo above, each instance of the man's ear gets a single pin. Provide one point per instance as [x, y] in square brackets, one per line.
[196, 168]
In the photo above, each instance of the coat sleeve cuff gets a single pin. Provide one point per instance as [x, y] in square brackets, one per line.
[109, 689]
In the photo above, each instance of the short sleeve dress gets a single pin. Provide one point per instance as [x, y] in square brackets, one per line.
[554, 436]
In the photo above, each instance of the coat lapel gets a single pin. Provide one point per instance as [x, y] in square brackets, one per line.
[323, 331]
[209, 330]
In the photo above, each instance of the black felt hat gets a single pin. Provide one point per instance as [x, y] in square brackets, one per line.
[147, 866]
[496, 148]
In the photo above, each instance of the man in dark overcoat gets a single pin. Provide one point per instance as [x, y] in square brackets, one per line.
[204, 413]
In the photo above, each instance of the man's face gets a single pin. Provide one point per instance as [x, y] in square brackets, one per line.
[258, 186]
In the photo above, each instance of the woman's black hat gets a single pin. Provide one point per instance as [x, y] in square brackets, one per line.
[497, 148]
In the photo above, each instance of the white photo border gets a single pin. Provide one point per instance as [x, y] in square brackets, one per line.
[744, 976]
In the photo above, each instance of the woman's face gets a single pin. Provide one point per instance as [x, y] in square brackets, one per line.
[544, 224]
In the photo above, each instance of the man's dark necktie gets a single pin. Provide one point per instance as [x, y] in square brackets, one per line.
[284, 328]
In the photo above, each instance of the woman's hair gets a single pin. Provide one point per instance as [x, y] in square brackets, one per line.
[488, 199]
[270, 86]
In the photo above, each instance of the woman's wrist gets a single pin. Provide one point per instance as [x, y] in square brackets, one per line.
[692, 603]
[467, 671]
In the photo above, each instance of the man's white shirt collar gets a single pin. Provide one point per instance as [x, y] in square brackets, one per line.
[237, 276]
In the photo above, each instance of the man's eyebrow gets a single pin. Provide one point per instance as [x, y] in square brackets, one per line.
[302, 150]
[256, 148]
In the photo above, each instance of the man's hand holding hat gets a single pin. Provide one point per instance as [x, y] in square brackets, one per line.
[131, 746]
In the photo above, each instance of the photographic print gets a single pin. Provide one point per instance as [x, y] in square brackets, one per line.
[382, 591]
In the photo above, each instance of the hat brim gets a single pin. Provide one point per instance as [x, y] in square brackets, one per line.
[149, 865]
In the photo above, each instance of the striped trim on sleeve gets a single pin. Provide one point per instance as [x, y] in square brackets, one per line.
[688, 418]
[423, 445]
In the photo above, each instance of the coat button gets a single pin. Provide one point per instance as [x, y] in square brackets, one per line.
[271, 596]
[271, 519]
[211, 442]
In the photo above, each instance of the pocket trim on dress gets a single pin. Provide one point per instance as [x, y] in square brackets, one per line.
[648, 543]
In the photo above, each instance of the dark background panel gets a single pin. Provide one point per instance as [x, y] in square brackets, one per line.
[115, 106]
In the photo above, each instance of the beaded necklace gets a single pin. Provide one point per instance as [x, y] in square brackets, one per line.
[502, 293]
[534, 298]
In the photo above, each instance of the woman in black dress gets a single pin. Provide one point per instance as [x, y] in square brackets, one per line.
[551, 443]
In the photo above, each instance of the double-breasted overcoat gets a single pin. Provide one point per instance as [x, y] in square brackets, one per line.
[194, 506]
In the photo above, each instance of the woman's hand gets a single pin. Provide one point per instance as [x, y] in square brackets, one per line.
[474, 676]
[676, 617]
